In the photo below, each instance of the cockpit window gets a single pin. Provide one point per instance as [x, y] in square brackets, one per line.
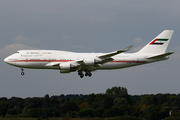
[16, 52]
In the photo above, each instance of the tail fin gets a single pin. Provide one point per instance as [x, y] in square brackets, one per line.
[159, 44]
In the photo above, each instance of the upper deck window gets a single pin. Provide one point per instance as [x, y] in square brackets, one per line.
[46, 52]
[34, 53]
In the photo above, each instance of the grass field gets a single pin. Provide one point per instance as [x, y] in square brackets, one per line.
[65, 118]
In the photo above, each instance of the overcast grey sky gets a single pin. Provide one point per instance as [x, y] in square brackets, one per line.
[88, 26]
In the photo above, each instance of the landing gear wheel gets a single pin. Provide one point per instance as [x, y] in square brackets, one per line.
[86, 74]
[22, 73]
[90, 74]
[80, 73]
[82, 76]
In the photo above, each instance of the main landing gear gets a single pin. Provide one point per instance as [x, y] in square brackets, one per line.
[80, 73]
[22, 73]
[88, 73]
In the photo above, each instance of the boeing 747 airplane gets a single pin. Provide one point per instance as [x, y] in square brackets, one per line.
[86, 63]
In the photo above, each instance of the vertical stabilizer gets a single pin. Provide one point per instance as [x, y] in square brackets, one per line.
[159, 44]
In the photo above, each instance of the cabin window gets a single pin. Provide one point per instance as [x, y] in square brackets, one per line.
[12, 59]
[46, 52]
[34, 59]
[34, 53]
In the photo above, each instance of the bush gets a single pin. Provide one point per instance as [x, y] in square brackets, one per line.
[98, 112]
[114, 111]
[171, 118]
[86, 112]
[126, 117]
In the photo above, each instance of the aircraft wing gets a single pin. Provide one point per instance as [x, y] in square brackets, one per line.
[97, 62]
[52, 64]
[88, 64]
[108, 55]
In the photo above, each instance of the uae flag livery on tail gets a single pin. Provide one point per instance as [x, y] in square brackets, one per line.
[158, 41]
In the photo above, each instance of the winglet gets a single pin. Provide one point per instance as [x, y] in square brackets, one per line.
[128, 48]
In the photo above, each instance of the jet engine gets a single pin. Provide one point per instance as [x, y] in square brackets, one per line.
[66, 67]
[91, 61]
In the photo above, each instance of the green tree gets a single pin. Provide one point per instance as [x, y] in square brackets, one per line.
[84, 105]
[86, 112]
[61, 101]
[114, 111]
[46, 101]
[47, 112]
[146, 100]
[126, 109]
[35, 112]
[79, 101]
[119, 101]
[14, 111]
[69, 107]
[117, 92]
[91, 98]
[54, 103]
[155, 100]
[120, 95]
[3, 108]
[94, 105]
[98, 112]
[162, 99]
[173, 100]
[137, 111]
[107, 103]
[152, 113]
[163, 114]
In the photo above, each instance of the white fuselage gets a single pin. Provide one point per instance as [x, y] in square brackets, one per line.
[39, 59]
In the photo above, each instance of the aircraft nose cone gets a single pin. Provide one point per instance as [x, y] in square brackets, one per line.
[6, 60]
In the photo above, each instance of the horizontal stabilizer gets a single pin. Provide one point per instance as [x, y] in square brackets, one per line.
[160, 56]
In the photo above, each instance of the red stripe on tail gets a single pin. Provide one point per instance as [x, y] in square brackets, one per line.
[153, 41]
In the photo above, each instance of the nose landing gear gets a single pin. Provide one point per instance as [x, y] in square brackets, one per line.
[22, 73]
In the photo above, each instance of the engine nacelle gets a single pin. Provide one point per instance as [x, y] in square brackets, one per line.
[65, 67]
[91, 61]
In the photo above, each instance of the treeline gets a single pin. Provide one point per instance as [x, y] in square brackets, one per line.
[115, 102]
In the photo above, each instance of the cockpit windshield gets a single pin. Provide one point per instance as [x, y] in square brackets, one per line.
[17, 52]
